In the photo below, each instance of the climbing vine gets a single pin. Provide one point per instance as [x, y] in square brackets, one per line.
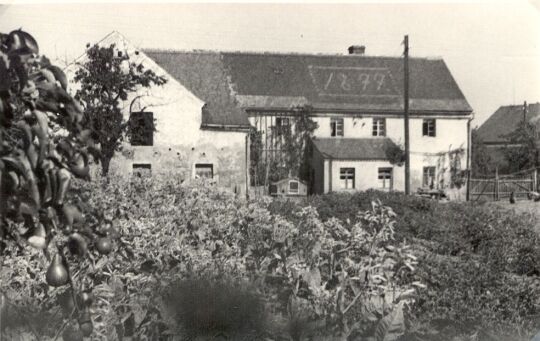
[457, 174]
[289, 152]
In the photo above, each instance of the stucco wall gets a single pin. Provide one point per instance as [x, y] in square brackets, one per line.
[179, 142]
[366, 175]
[451, 134]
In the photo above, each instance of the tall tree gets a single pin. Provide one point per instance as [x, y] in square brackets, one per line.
[481, 160]
[105, 80]
[522, 150]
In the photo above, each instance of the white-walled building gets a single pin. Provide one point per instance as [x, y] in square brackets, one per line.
[212, 99]
[193, 138]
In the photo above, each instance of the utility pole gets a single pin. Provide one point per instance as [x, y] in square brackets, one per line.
[406, 118]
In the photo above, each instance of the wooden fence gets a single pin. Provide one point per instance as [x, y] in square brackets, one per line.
[499, 188]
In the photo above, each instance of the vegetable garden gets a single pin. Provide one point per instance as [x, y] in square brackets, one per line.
[151, 259]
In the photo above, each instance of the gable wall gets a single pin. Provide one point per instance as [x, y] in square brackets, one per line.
[179, 142]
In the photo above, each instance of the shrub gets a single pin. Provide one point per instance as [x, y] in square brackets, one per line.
[206, 306]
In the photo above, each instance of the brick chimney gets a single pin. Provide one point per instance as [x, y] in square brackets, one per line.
[357, 49]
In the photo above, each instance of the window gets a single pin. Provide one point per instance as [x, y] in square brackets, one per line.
[379, 127]
[142, 169]
[141, 128]
[204, 171]
[429, 177]
[293, 187]
[282, 121]
[336, 127]
[346, 177]
[429, 127]
[385, 178]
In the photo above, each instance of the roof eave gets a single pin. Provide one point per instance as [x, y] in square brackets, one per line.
[226, 127]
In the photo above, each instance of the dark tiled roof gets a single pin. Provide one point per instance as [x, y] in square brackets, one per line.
[346, 82]
[205, 76]
[231, 82]
[505, 120]
[353, 148]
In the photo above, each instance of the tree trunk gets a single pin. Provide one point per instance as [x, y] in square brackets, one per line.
[105, 163]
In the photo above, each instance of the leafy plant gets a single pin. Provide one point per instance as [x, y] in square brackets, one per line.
[292, 143]
[395, 154]
[37, 169]
[105, 81]
[522, 150]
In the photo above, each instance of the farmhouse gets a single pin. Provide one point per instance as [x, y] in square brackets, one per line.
[357, 102]
[204, 113]
[494, 132]
[193, 138]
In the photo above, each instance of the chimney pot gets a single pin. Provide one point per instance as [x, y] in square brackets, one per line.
[357, 49]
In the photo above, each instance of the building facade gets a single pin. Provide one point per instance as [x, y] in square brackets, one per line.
[494, 132]
[205, 112]
[190, 141]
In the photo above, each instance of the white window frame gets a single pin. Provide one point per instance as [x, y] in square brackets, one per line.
[347, 177]
[429, 174]
[337, 127]
[291, 191]
[387, 180]
[283, 122]
[379, 126]
[429, 127]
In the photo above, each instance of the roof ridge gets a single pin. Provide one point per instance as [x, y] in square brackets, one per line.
[277, 53]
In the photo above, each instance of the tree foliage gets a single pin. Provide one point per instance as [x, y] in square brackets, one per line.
[39, 225]
[481, 164]
[522, 150]
[106, 79]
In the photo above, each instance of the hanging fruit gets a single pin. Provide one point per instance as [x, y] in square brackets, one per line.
[79, 165]
[39, 239]
[85, 323]
[104, 245]
[77, 244]
[87, 298]
[57, 274]
[63, 179]
[71, 216]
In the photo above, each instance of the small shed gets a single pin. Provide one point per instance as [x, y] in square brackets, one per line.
[289, 187]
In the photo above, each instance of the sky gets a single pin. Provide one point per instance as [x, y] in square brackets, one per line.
[491, 48]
